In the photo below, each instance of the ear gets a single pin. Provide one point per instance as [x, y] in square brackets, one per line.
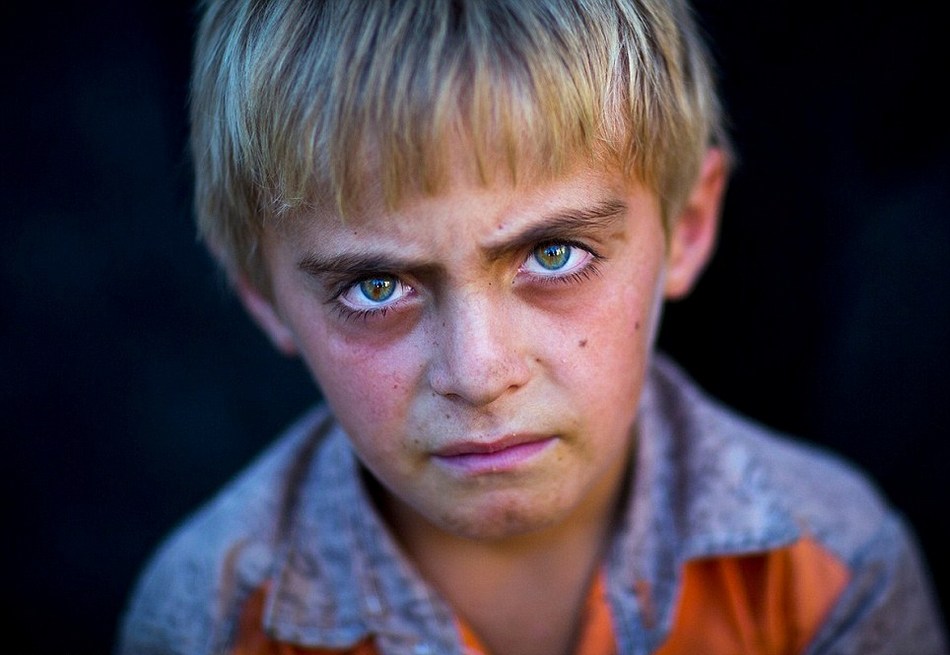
[693, 232]
[265, 314]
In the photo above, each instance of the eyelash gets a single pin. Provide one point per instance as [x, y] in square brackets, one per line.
[588, 270]
[364, 315]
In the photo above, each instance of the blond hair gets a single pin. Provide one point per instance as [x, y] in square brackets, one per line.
[303, 103]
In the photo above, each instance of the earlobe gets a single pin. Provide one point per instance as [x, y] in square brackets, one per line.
[693, 233]
[262, 310]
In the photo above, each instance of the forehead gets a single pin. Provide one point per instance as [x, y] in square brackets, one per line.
[468, 209]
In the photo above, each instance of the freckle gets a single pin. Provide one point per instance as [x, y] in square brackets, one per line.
[636, 326]
[582, 343]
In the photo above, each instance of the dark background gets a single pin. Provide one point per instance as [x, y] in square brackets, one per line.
[133, 386]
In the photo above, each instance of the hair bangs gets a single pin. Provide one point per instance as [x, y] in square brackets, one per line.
[486, 79]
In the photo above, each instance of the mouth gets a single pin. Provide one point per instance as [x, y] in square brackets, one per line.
[497, 456]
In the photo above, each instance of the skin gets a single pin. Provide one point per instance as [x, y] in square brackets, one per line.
[504, 315]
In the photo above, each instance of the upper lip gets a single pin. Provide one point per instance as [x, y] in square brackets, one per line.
[487, 446]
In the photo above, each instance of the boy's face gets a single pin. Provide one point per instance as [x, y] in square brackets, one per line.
[485, 349]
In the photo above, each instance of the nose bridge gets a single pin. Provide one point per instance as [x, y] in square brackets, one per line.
[478, 348]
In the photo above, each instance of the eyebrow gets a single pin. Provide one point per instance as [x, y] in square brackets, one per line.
[357, 263]
[562, 224]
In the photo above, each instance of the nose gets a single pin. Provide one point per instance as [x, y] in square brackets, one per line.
[478, 350]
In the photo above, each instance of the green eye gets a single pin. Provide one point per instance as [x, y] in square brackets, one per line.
[558, 260]
[375, 293]
[553, 256]
[378, 289]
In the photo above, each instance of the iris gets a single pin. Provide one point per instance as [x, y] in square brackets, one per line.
[553, 255]
[378, 289]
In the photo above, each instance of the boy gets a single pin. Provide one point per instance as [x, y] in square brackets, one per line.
[465, 217]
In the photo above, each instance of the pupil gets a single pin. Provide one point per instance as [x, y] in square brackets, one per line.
[553, 256]
[377, 289]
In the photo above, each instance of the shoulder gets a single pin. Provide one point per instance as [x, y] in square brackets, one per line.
[221, 552]
[824, 495]
[740, 475]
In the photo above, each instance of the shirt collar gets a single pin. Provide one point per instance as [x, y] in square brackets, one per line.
[701, 488]
[342, 576]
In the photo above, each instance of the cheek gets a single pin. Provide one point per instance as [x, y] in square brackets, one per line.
[609, 343]
[369, 386]
[609, 357]
[637, 305]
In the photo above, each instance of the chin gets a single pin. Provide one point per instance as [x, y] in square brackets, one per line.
[499, 522]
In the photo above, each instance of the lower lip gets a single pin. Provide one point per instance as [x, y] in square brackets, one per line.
[500, 461]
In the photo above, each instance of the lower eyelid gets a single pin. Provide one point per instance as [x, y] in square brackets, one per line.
[585, 272]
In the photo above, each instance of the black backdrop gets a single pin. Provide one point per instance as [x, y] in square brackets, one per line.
[133, 386]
